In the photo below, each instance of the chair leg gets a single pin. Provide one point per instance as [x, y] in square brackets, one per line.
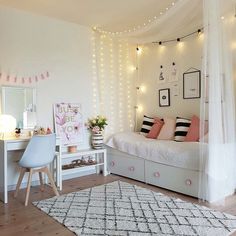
[21, 176]
[28, 187]
[41, 181]
[51, 181]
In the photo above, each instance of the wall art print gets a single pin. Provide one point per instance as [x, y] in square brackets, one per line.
[68, 122]
[192, 84]
[164, 97]
[174, 76]
[162, 77]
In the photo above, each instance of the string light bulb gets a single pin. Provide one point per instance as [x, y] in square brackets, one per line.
[199, 32]
[139, 50]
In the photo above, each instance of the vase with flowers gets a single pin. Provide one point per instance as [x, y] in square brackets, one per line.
[97, 126]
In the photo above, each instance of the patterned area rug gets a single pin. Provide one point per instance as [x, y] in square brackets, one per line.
[120, 208]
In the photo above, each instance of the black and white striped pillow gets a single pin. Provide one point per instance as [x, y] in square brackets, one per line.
[147, 125]
[181, 129]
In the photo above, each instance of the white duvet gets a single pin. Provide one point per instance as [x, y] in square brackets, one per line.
[178, 154]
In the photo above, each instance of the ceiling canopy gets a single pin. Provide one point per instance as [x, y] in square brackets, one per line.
[142, 20]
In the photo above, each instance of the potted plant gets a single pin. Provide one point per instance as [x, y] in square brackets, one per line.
[97, 126]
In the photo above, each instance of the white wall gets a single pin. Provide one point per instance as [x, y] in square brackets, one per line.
[30, 44]
[185, 55]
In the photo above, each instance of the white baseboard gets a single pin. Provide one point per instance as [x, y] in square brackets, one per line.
[65, 177]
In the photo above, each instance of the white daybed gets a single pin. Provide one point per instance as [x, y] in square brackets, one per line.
[167, 164]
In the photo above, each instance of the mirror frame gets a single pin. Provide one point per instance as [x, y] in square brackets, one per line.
[3, 96]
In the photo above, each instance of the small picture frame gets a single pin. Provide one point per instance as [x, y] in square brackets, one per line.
[192, 84]
[164, 97]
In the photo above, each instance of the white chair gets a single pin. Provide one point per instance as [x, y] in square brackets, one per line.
[39, 153]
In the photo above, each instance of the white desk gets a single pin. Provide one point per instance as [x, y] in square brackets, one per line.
[14, 144]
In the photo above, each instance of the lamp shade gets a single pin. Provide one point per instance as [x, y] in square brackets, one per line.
[7, 123]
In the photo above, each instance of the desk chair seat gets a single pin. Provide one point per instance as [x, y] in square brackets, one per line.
[39, 153]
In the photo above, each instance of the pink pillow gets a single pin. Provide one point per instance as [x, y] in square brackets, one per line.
[156, 128]
[193, 132]
[168, 130]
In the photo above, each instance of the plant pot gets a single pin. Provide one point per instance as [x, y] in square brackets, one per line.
[72, 149]
[97, 140]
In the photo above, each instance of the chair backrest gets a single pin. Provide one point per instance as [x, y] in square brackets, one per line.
[39, 152]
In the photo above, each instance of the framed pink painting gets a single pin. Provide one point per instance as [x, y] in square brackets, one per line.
[68, 121]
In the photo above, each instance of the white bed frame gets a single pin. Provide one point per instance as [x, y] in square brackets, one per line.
[169, 177]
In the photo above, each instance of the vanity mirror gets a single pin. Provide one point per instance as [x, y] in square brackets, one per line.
[20, 102]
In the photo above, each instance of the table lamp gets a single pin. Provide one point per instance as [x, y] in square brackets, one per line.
[7, 124]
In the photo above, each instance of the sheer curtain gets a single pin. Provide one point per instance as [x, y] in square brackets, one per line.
[114, 81]
[218, 178]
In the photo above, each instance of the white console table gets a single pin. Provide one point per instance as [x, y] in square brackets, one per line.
[16, 144]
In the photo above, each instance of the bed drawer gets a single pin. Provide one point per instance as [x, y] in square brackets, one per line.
[173, 178]
[126, 166]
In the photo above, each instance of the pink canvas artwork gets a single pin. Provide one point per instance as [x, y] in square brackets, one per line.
[68, 121]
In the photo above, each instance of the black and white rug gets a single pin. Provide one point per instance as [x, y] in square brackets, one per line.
[120, 208]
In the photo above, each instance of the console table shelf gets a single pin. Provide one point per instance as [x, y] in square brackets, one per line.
[100, 158]
[81, 168]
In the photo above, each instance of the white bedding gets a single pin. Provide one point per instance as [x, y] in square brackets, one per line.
[178, 154]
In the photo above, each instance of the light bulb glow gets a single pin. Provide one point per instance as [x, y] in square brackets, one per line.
[180, 45]
[7, 123]
[142, 88]
[234, 45]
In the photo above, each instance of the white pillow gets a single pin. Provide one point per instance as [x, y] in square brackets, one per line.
[168, 129]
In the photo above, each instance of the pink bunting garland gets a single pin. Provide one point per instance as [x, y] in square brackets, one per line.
[31, 79]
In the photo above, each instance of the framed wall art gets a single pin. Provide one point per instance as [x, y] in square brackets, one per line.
[68, 122]
[192, 84]
[164, 97]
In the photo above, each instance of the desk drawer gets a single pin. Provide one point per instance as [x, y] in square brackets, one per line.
[12, 146]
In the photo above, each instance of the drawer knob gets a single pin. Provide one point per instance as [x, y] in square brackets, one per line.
[188, 182]
[157, 174]
[131, 168]
[112, 163]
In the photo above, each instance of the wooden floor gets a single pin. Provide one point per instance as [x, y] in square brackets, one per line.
[18, 220]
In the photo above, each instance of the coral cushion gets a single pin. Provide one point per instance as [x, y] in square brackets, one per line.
[156, 128]
[168, 130]
[193, 132]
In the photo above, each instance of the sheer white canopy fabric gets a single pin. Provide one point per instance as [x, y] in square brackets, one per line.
[218, 178]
